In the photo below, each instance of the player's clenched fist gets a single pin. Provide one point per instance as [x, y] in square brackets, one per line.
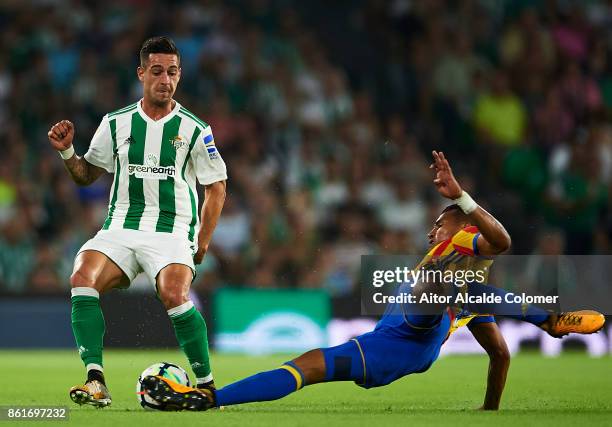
[61, 135]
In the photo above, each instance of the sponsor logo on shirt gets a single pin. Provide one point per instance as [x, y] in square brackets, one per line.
[151, 169]
[151, 172]
[151, 160]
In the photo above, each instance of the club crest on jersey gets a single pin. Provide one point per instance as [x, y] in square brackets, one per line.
[178, 142]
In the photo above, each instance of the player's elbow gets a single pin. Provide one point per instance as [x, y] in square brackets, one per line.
[81, 182]
[216, 190]
[503, 244]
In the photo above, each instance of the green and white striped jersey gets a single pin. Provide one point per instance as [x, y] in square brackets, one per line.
[156, 164]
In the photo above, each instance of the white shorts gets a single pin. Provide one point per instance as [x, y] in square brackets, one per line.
[136, 251]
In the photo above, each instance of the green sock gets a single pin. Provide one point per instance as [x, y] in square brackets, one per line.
[88, 325]
[191, 333]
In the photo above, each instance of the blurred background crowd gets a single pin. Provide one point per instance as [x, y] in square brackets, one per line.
[326, 113]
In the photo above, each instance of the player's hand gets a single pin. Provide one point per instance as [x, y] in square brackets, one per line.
[199, 255]
[61, 135]
[445, 181]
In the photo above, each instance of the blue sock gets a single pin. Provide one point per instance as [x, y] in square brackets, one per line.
[270, 385]
[524, 312]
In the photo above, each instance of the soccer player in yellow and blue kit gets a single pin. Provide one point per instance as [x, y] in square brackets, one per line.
[464, 236]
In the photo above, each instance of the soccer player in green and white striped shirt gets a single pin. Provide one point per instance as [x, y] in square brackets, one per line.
[157, 150]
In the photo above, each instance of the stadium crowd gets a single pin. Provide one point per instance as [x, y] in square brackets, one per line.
[325, 113]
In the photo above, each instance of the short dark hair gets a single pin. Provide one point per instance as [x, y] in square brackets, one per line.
[456, 211]
[453, 207]
[161, 44]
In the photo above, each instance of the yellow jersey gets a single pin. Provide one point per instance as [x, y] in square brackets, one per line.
[459, 253]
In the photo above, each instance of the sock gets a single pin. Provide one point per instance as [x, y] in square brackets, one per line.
[270, 385]
[95, 374]
[88, 324]
[190, 330]
[524, 312]
[207, 380]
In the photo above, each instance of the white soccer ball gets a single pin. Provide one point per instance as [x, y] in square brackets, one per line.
[169, 370]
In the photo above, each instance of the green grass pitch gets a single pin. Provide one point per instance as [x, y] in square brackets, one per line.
[570, 390]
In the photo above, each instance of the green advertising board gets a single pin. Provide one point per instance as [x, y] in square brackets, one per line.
[260, 321]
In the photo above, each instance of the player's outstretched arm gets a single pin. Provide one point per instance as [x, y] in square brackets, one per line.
[494, 239]
[60, 136]
[490, 338]
[214, 198]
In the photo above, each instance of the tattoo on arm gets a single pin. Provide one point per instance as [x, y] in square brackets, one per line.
[82, 173]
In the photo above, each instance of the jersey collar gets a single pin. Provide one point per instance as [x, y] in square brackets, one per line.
[161, 121]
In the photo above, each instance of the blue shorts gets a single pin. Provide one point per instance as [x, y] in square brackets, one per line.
[391, 351]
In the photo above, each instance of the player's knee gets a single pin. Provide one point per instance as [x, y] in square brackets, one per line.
[82, 278]
[312, 365]
[502, 355]
[315, 373]
[173, 296]
[173, 287]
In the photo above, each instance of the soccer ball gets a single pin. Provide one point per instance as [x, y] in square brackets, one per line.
[169, 370]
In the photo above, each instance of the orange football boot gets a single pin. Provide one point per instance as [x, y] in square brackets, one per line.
[177, 397]
[91, 393]
[578, 322]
